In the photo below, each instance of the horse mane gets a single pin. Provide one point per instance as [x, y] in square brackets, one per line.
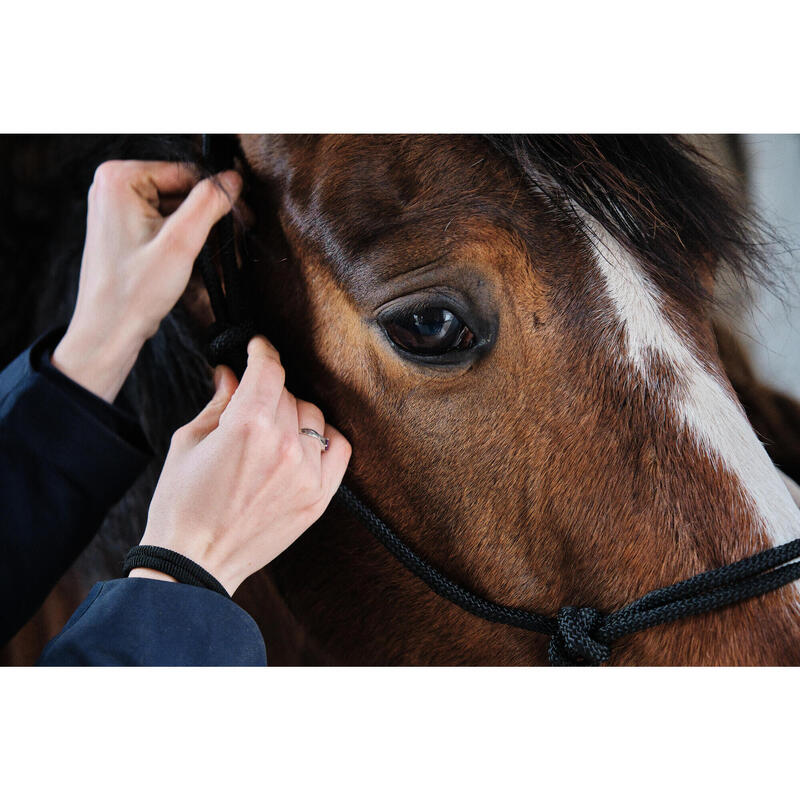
[658, 196]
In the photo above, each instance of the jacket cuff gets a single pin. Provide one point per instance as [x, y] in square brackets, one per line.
[117, 415]
[76, 432]
[144, 622]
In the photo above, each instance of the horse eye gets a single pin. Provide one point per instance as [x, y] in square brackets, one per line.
[429, 331]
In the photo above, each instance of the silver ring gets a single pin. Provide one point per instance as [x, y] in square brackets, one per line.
[323, 440]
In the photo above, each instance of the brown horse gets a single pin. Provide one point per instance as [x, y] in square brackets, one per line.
[514, 333]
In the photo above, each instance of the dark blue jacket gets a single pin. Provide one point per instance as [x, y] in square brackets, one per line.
[66, 456]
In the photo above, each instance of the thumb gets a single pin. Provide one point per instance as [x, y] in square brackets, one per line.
[207, 420]
[210, 200]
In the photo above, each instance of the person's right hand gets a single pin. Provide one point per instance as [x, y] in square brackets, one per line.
[240, 482]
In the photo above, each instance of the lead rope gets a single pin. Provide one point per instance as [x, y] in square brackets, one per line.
[579, 635]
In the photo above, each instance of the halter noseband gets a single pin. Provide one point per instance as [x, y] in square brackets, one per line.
[578, 635]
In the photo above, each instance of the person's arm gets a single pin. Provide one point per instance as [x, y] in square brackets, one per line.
[152, 623]
[66, 454]
[239, 485]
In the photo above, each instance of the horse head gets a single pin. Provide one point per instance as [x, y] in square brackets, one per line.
[514, 333]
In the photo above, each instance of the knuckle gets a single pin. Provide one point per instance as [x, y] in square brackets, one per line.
[237, 422]
[264, 425]
[253, 423]
[108, 175]
[311, 410]
[206, 192]
[292, 451]
[289, 450]
[182, 436]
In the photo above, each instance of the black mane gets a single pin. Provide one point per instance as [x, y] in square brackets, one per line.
[656, 195]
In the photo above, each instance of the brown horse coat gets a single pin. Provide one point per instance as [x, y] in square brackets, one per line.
[589, 446]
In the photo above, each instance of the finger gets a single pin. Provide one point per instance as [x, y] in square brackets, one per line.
[292, 445]
[208, 419]
[260, 346]
[167, 177]
[188, 226]
[286, 415]
[147, 179]
[263, 378]
[309, 416]
[334, 462]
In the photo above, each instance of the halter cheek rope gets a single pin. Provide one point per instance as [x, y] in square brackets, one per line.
[584, 635]
[578, 635]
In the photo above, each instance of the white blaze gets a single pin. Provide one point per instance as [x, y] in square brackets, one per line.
[706, 406]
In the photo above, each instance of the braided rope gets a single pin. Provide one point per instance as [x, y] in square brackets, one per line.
[582, 635]
[440, 583]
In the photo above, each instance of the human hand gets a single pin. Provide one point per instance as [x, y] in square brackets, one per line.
[137, 260]
[240, 482]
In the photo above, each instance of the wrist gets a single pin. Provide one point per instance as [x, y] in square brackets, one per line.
[196, 549]
[99, 364]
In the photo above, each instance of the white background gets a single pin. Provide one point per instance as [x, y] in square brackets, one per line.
[416, 66]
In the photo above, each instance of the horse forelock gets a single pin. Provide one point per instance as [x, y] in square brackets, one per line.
[659, 197]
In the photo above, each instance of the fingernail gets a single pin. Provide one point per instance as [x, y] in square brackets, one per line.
[231, 181]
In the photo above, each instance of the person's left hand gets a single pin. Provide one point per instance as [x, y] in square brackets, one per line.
[137, 261]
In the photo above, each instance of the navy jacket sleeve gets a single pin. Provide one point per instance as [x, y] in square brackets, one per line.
[66, 457]
[141, 622]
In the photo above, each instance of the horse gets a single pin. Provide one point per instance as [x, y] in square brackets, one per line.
[515, 334]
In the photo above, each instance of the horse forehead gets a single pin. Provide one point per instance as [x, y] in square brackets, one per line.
[371, 180]
[376, 206]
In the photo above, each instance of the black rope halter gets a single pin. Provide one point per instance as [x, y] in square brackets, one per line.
[578, 635]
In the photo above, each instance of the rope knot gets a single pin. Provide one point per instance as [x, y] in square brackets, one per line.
[573, 643]
[228, 345]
